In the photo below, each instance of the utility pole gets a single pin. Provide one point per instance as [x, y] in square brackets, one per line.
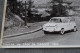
[25, 15]
[29, 8]
[28, 12]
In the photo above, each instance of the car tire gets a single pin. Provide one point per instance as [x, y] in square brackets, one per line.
[75, 29]
[62, 31]
[45, 32]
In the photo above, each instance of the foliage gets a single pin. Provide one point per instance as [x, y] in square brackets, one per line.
[58, 9]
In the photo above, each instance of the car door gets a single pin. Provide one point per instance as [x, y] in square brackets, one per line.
[69, 24]
[65, 25]
[72, 24]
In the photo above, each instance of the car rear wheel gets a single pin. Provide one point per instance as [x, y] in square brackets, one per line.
[62, 31]
[75, 29]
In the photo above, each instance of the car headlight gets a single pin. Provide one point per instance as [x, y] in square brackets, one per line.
[44, 26]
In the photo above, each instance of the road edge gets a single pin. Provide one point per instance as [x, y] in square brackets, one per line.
[20, 34]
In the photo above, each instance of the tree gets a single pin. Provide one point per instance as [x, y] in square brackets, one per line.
[12, 4]
[30, 5]
[28, 12]
[15, 6]
[58, 9]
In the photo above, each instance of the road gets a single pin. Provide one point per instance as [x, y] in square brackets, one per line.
[70, 38]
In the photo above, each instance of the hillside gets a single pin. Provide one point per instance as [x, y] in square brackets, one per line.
[12, 20]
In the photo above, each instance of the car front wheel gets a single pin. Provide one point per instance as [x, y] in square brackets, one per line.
[45, 32]
[75, 29]
[62, 31]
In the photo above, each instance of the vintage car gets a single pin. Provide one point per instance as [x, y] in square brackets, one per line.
[60, 24]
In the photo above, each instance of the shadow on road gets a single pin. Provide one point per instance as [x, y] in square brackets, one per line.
[57, 33]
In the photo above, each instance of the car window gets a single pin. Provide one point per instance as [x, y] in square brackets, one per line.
[55, 20]
[73, 19]
[65, 20]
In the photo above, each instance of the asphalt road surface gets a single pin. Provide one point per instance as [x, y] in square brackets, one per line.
[69, 38]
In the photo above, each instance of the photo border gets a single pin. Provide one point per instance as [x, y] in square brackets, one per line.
[2, 31]
[3, 20]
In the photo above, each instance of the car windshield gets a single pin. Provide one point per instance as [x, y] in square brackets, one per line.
[55, 20]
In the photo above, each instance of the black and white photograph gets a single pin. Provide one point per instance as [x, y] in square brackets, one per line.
[41, 24]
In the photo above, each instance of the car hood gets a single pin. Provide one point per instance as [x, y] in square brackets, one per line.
[51, 24]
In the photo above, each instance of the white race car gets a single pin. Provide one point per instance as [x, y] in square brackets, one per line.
[60, 24]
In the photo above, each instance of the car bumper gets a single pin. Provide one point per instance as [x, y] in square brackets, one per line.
[52, 30]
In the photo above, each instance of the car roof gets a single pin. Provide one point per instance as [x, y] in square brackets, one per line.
[61, 17]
